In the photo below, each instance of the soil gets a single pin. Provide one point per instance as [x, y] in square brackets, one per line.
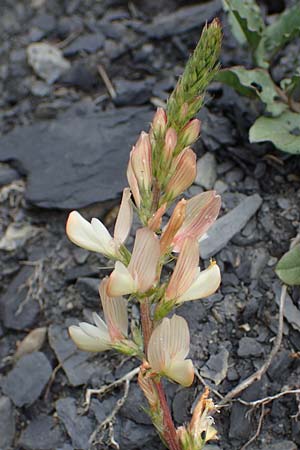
[48, 282]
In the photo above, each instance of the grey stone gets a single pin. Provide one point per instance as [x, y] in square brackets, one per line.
[82, 157]
[7, 175]
[216, 367]
[206, 171]
[131, 433]
[88, 288]
[26, 381]
[89, 43]
[280, 365]
[249, 347]
[78, 427]
[47, 61]
[259, 260]
[75, 363]
[220, 186]
[229, 225]
[42, 433]
[7, 423]
[216, 131]
[135, 406]
[132, 92]
[291, 312]
[16, 310]
[183, 20]
[281, 445]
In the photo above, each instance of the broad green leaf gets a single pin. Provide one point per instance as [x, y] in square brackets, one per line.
[248, 15]
[278, 34]
[234, 24]
[288, 267]
[283, 131]
[254, 82]
[291, 86]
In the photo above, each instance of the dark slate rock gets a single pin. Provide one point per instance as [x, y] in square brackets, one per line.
[240, 421]
[216, 367]
[78, 427]
[281, 445]
[280, 365]
[7, 423]
[131, 434]
[135, 406]
[82, 157]
[291, 312]
[132, 92]
[183, 20]
[80, 76]
[88, 288]
[89, 43]
[16, 310]
[249, 346]
[7, 175]
[75, 362]
[42, 433]
[216, 131]
[229, 225]
[181, 405]
[25, 383]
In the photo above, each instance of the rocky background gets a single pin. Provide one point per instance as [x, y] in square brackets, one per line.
[66, 128]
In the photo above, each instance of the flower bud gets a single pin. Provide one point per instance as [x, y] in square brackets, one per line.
[159, 122]
[174, 224]
[141, 162]
[184, 173]
[190, 132]
[154, 222]
[170, 144]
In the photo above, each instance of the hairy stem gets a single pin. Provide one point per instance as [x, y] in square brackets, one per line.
[146, 322]
[170, 435]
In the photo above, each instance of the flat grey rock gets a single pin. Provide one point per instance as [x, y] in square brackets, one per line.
[291, 312]
[281, 445]
[230, 224]
[77, 159]
[216, 367]
[42, 433]
[184, 19]
[89, 43]
[206, 171]
[17, 311]
[7, 423]
[249, 346]
[78, 427]
[75, 363]
[26, 381]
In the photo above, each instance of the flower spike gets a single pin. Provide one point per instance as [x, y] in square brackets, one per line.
[168, 347]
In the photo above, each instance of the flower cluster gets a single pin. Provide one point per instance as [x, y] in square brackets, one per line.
[162, 165]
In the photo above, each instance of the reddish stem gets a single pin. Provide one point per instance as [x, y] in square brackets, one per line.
[169, 427]
[170, 435]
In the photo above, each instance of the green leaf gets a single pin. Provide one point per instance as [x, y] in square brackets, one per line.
[291, 86]
[234, 24]
[278, 34]
[282, 131]
[288, 267]
[254, 82]
[248, 15]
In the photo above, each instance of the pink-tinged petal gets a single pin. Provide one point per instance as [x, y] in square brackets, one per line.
[91, 236]
[170, 144]
[87, 342]
[154, 222]
[174, 224]
[144, 259]
[121, 282]
[133, 184]
[115, 313]
[204, 285]
[124, 219]
[159, 122]
[184, 173]
[169, 343]
[181, 371]
[185, 269]
[201, 212]
[141, 161]
[190, 132]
